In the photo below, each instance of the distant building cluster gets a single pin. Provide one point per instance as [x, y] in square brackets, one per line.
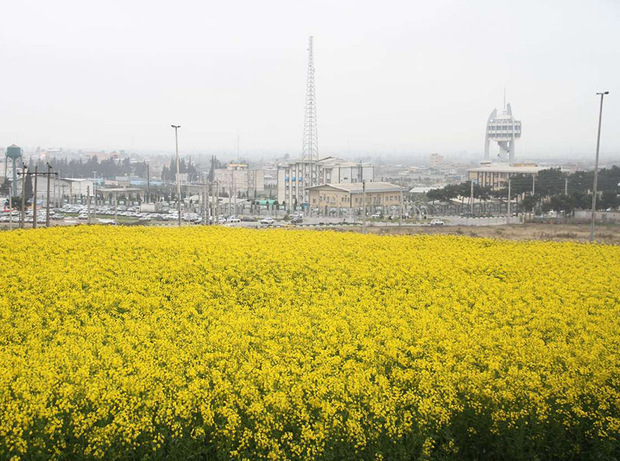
[294, 178]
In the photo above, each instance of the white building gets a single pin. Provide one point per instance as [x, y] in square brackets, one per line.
[71, 188]
[496, 175]
[238, 178]
[504, 130]
[295, 177]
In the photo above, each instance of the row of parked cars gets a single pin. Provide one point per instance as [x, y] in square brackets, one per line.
[102, 212]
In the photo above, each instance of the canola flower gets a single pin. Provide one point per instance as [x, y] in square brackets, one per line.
[216, 343]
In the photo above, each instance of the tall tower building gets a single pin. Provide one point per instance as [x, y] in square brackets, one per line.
[504, 130]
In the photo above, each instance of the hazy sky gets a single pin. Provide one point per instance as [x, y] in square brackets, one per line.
[391, 76]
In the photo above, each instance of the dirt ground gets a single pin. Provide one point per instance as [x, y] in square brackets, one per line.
[558, 232]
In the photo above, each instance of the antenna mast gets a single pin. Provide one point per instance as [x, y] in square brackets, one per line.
[310, 150]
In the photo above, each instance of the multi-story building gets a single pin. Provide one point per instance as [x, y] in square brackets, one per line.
[436, 159]
[294, 178]
[238, 178]
[496, 175]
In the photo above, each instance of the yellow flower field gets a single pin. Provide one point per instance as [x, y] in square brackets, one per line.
[217, 343]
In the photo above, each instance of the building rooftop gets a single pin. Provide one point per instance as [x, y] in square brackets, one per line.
[357, 187]
[506, 168]
[77, 179]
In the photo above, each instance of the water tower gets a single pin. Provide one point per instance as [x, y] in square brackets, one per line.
[13, 152]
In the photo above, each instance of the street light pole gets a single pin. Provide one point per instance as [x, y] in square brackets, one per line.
[364, 203]
[598, 144]
[176, 139]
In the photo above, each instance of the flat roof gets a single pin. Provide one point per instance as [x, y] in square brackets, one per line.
[507, 169]
[357, 187]
[119, 189]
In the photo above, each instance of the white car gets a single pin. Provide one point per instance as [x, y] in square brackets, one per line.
[437, 222]
[267, 221]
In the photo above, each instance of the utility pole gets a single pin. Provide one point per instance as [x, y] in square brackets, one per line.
[598, 144]
[204, 199]
[230, 189]
[400, 218]
[176, 139]
[471, 197]
[364, 203]
[566, 186]
[88, 202]
[208, 210]
[209, 201]
[95, 194]
[508, 212]
[95, 197]
[34, 198]
[148, 183]
[21, 214]
[47, 214]
[533, 184]
[217, 201]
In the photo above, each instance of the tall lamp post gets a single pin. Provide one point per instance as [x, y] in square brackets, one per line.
[598, 144]
[176, 139]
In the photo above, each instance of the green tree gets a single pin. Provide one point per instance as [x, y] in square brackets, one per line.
[609, 199]
[562, 203]
[529, 203]
[550, 182]
[28, 187]
[5, 188]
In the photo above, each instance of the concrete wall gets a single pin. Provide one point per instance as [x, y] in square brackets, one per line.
[602, 216]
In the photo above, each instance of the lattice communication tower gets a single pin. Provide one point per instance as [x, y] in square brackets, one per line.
[310, 150]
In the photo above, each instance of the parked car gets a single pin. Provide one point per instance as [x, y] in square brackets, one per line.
[437, 222]
[297, 219]
[267, 221]
[232, 220]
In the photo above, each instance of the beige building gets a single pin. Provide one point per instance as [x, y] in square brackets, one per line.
[379, 196]
[495, 175]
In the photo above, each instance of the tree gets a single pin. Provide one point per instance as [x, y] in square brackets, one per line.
[139, 169]
[529, 202]
[5, 188]
[582, 200]
[28, 187]
[562, 203]
[609, 199]
[550, 182]
[520, 184]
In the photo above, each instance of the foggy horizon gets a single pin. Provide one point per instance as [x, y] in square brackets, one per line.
[402, 79]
